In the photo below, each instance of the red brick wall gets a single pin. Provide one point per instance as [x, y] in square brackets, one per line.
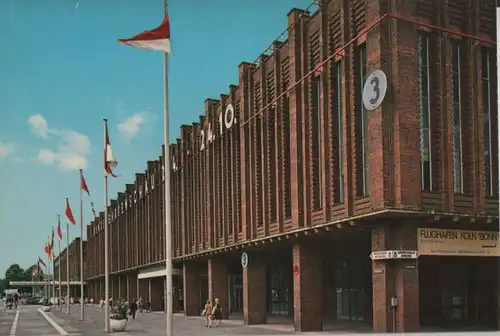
[257, 178]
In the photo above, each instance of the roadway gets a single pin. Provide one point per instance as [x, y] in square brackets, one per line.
[30, 321]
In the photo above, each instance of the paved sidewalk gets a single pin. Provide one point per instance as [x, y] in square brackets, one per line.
[151, 324]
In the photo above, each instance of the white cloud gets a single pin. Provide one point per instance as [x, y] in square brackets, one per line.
[6, 149]
[46, 156]
[39, 125]
[72, 148]
[131, 126]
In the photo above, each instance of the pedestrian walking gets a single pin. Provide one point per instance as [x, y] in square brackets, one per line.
[133, 308]
[217, 312]
[207, 313]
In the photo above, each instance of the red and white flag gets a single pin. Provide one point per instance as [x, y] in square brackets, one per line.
[156, 39]
[40, 261]
[109, 160]
[83, 184]
[69, 213]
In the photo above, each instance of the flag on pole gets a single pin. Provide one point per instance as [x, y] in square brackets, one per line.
[52, 240]
[156, 39]
[50, 245]
[109, 160]
[93, 209]
[47, 247]
[83, 184]
[69, 213]
[59, 230]
[40, 261]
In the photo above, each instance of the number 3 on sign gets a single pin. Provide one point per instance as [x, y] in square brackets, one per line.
[374, 90]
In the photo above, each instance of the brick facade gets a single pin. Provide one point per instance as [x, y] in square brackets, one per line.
[74, 261]
[289, 160]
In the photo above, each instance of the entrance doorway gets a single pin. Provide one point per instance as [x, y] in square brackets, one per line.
[236, 293]
[280, 288]
[458, 292]
[203, 291]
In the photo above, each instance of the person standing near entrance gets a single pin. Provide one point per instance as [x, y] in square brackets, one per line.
[207, 312]
[217, 312]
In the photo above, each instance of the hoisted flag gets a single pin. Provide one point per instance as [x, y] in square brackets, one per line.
[156, 39]
[69, 213]
[83, 184]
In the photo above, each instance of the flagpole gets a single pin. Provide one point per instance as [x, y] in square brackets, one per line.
[48, 277]
[59, 264]
[168, 223]
[68, 303]
[106, 257]
[81, 248]
[51, 259]
[50, 282]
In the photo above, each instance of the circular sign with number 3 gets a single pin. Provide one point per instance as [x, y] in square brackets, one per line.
[244, 260]
[374, 90]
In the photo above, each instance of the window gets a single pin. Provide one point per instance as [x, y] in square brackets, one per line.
[271, 117]
[339, 140]
[425, 135]
[287, 177]
[456, 118]
[316, 142]
[362, 150]
[488, 163]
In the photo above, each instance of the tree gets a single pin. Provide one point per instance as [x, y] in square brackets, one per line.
[3, 285]
[15, 273]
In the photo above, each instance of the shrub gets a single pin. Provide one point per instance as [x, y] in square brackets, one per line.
[118, 310]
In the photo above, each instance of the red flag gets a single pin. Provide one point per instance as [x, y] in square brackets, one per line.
[59, 231]
[40, 261]
[109, 160]
[83, 184]
[47, 248]
[69, 213]
[156, 39]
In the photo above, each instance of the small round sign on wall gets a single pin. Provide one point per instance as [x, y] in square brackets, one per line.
[374, 90]
[244, 260]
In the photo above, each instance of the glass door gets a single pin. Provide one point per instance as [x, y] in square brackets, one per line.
[236, 293]
[279, 291]
[203, 291]
[454, 294]
[352, 294]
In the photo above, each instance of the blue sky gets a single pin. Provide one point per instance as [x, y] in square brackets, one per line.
[61, 72]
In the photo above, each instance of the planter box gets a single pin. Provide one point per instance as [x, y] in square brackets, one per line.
[46, 308]
[117, 325]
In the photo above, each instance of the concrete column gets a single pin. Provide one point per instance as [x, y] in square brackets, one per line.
[119, 280]
[307, 288]
[255, 290]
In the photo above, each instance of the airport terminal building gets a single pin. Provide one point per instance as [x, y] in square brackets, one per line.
[350, 178]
